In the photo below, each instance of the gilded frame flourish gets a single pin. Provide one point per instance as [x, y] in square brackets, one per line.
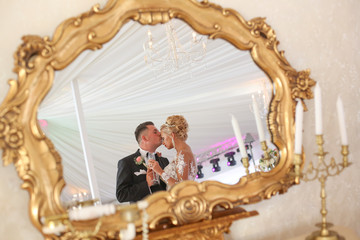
[39, 165]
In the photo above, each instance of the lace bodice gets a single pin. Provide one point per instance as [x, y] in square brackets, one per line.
[178, 167]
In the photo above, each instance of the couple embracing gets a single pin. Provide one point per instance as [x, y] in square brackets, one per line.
[145, 171]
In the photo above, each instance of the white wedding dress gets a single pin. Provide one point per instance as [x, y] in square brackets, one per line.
[180, 169]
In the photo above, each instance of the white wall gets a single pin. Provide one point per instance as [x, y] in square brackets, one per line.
[321, 35]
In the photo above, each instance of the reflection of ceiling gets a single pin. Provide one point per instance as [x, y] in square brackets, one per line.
[118, 92]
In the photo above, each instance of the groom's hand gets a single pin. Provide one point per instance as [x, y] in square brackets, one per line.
[150, 177]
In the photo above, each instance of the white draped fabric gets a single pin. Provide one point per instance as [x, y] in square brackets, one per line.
[118, 92]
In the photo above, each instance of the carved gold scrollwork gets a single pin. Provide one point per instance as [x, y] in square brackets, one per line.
[15, 138]
[11, 135]
[54, 152]
[301, 83]
[4, 127]
[216, 231]
[23, 163]
[30, 48]
[191, 209]
[260, 29]
[153, 17]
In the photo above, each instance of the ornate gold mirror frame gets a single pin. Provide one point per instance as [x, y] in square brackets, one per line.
[38, 163]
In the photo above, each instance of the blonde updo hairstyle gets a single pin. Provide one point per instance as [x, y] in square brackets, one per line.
[176, 124]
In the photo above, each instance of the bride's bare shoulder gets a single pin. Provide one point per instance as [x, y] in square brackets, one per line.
[187, 153]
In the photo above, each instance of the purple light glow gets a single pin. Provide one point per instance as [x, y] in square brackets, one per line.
[228, 163]
[213, 169]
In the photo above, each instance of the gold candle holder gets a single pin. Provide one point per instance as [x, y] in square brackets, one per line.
[345, 153]
[297, 164]
[245, 162]
[321, 172]
[264, 147]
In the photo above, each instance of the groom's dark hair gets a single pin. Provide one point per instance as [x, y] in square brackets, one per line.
[140, 129]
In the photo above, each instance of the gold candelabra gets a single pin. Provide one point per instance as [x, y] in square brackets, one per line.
[322, 171]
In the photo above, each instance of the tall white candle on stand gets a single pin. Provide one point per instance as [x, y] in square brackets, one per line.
[298, 127]
[258, 120]
[238, 136]
[341, 117]
[318, 110]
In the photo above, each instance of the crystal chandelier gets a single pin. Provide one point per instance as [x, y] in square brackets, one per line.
[169, 54]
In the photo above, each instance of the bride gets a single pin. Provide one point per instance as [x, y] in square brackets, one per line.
[183, 167]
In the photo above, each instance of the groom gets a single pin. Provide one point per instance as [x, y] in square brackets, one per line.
[134, 181]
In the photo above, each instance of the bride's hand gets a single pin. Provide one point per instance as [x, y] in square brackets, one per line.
[154, 165]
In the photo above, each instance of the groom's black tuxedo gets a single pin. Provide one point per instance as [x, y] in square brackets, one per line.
[131, 184]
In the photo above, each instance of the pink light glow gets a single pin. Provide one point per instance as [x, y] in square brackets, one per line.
[217, 148]
[43, 123]
[233, 139]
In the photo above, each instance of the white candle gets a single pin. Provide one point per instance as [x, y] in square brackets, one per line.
[318, 110]
[258, 120]
[298, 127]
[91, 212]
[341, 117]
[129, 233]
[238, 136]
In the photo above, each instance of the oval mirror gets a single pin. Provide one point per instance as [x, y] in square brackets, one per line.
[118, 88]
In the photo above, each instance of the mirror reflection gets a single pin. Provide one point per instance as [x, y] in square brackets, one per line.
[96, 103]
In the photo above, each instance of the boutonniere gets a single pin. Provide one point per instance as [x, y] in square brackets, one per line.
[139, 160]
